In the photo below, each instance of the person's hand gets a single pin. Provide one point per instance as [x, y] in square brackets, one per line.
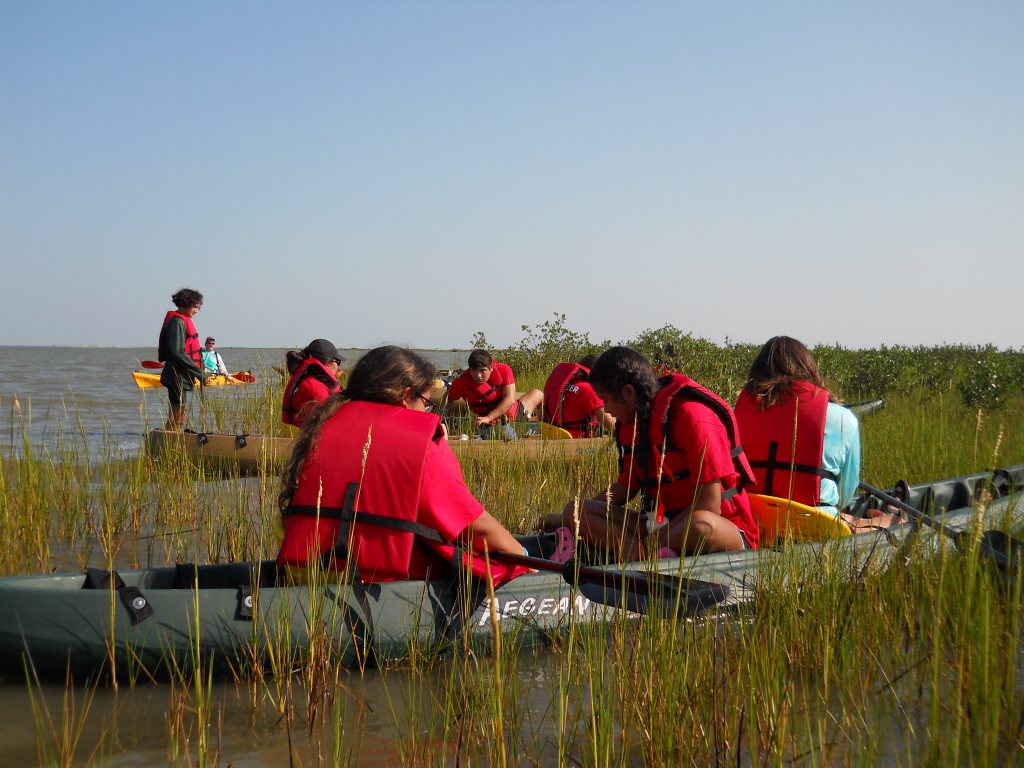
[482, 421]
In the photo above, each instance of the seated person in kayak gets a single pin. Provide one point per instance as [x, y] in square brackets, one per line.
[571, 403]
[489, 389]
[314, 378]
[376, 450]
[800, 442]
[178, 349]
[213, 363]
[679, 447]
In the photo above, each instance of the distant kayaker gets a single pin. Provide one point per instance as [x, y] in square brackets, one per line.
[212, 361]
[314, 378]
[678, 445]
[571, 403]
[489, 389]
[376, 453]
[178, 349]
[801, 443]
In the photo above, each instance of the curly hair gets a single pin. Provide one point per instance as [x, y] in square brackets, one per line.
[381, 376]
[187, 297]
[781, 361]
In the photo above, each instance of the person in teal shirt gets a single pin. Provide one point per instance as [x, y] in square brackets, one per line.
[212, 361]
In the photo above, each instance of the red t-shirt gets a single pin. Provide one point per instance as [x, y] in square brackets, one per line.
[483, 397]
[446, 505]
[697, 432]
[578, 403]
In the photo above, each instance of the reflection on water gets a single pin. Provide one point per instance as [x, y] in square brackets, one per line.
[381, 719]
[65, 394]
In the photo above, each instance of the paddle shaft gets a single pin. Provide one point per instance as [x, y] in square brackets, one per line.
[983, 545]
[914, 513]
[626, 580]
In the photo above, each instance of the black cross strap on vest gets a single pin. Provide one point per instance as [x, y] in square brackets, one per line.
[138, 606]
[347, 515]
[772, 464]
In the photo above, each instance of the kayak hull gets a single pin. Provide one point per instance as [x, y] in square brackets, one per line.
[242, 454]
[227, 617]
[150, 380]
[251, 454]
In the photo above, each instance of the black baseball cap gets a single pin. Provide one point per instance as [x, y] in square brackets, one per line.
[323, 350]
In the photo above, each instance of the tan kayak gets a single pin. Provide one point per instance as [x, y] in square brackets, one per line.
[244, 454]
[248, 454]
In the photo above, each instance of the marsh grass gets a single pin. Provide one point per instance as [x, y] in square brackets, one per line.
[913, 661]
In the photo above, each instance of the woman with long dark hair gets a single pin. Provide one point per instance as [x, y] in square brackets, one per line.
[373, 486]
[801, 443]
[678, 445]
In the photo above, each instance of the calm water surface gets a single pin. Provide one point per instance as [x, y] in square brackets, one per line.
[89, 392]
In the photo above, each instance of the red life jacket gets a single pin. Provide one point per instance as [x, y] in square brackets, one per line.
[665, 475]
[311, 367]
[192, 347]
[563, 375]
[366, 511]
[784, 443]
[481, 398]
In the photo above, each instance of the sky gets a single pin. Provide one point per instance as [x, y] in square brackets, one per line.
[416, 172]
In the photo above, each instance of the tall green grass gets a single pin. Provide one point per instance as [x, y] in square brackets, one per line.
[917, 663]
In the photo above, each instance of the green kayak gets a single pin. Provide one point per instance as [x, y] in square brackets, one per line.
[239, 614]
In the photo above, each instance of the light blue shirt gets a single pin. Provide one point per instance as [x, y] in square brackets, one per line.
[841, 456]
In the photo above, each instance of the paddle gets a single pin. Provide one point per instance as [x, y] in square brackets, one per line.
[151, 364]
[638, 591]
[1004, 549]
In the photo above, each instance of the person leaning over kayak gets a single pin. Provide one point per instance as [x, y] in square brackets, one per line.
[679, 446]
[571, 403]
[373, 481]
[213, 363]
[314, 378]
[489, 389]
[801, 443]
[178, 349]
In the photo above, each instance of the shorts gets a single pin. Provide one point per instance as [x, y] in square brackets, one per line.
[176, 395]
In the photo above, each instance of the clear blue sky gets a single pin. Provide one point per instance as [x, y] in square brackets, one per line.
[413, 172]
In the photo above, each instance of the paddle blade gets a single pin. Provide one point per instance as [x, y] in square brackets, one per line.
[245, 376]
[658, 594]
[1001, 548]
[151, 364]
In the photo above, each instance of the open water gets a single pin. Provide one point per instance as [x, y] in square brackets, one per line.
[88, 392]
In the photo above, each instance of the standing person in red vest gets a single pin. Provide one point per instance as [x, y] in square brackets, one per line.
[571, 403]
[679, 446]
[314, 378]
[373, 486]
[178, 349]
[489, 389]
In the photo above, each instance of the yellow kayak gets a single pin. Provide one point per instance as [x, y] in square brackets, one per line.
[147, 380]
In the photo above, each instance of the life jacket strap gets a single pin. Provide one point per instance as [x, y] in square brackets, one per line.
[772, 464]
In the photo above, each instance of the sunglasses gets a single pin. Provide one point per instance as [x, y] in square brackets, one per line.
[428, 404]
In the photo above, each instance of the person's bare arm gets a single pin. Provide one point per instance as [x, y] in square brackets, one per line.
[508, 397]
[487, 530]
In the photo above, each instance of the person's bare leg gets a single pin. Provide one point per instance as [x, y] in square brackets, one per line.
[531, 402]
[176, 418]
[705, 531]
